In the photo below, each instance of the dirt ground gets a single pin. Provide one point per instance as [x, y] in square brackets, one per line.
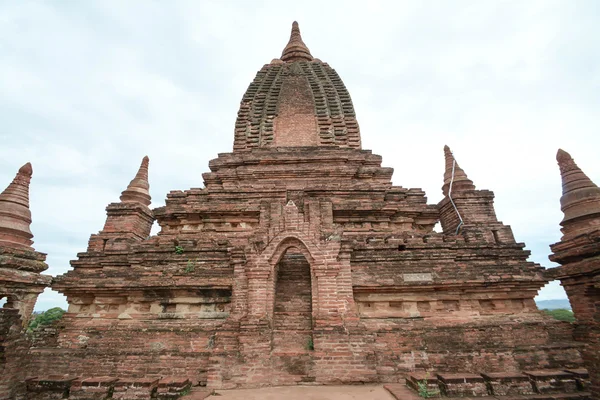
[362, 392]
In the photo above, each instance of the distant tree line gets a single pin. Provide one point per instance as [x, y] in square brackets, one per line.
[45, 318]
[561, 314]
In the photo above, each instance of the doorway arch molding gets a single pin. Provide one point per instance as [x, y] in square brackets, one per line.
[324, 268]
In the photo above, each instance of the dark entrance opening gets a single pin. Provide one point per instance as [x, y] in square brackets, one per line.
[292, 311]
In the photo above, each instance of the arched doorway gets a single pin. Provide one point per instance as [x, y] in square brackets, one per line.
[292, 303]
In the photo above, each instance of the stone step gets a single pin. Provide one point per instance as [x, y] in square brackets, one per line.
[552, 381]
[406, 392]
[462, 385]
[94, 388]
[570, 384]
[582, 377]
[425, 379]
[135, 389]
[508, 383]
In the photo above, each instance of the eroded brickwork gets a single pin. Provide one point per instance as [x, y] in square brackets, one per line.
[292, 311]
[299, 261]
[579, 254]
[300, 97]
[20, 282]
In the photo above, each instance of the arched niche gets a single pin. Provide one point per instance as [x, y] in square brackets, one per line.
[291, 302]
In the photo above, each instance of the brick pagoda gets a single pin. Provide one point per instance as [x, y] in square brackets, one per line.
[579, 253]
[20, 281]
[300, 261]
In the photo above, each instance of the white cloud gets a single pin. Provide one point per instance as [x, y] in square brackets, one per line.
[90, 88]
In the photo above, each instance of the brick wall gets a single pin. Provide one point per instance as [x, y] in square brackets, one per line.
[13, 353]
[581, 282]
[292, 313]
[303, 265]
[295, 123]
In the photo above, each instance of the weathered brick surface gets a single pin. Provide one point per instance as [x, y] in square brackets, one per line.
[300, 262]
[582, 377]
[428, 379]
[135, 389]
[13, 349]
[508, 384]
[172, 388]
[579, 254]
[20, 282]
[462, 385]
[292, 312]
[296, 101]
[49, 387]
[99, 388]
[549, 381]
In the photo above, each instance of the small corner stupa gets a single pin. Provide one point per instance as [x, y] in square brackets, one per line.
[578, 253]
[20, 265]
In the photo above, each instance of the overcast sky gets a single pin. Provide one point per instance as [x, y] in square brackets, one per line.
[88, 88]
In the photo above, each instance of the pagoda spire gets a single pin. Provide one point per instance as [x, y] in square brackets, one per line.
[296, 50]
[138, 190]
[454, 174]
[580, 196]
[15, 216]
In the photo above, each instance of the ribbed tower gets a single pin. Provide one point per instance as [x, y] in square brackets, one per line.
[15, 216]
[580, 201]
[129, 220]
[455, 175]
[296, 50]
[467, 210]
[139, 188]
[20, 266]
[578, 253]
[297, 100]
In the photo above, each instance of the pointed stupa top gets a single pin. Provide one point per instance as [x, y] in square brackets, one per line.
[15, 216]
[296, 50]
[285, 103]
[460, 180]
[138, 190]
[580, 196]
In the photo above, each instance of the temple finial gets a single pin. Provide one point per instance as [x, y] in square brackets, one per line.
[459, 180]
[580, 196]
[138, 190]
[15, 216]
[296, 50]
